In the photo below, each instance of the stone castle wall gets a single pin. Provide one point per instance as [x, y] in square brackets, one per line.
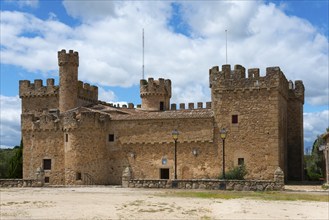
[260, 104]
[36, 97]
[295, 146]
[43, 139]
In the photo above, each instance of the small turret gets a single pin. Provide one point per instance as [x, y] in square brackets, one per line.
[155, 94]
[68, 85]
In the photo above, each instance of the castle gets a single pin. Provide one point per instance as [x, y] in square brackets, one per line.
[77, 139]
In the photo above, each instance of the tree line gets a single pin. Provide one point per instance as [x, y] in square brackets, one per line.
[11, 162]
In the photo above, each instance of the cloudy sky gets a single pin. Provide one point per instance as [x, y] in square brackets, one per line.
[182, 41]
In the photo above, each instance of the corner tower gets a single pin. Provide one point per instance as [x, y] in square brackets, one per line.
[68, 79]
[295, 148]
[155, 94]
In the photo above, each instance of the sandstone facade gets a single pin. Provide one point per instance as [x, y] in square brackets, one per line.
[77, 139]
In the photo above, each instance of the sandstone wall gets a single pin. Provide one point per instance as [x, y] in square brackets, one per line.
[36, 97]
[43, 139]
[295, 151]
[260, 105]
[86, 151]
[143, 144]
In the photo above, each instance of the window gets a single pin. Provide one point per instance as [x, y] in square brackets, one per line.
[47, 164]
[234, 119]
[66, 137]
[164, 173]
[162, 106]
[111, 137]
[46, 179]
[78, 177]
[240, 161]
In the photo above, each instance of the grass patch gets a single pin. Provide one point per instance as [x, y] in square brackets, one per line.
[281, 196]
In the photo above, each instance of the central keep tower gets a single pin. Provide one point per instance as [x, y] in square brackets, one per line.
[155, 94]
[68, 79]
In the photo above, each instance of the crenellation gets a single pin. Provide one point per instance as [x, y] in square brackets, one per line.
[226, 71]
[239, 72]
[38, 83]
[155, 87]
[50, 82]
[87, 92]
[71, 58]
[91, 120]
[253, 73]
[291, 85]
[44, 122]
[191, 105]
[299, 87]
[155, 94]
[173, 107]
[273, 71]
[182, 106]
[36, 89]
[298, 90]
[131, 105]
[222, 81]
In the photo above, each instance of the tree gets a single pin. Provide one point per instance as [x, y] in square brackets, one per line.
[16, 163]
[314, 162]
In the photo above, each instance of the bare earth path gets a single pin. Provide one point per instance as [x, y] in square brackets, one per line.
[122, 203]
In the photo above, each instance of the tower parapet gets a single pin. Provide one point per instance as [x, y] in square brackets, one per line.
[87, 92]
[297, 91]
[36, 89]
[235, 79]
[155, 94]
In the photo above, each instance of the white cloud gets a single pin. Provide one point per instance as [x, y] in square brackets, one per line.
[106, 95]
[109, 44]
[10, 130]
[90, 10]
[315, 124]
[25, 3]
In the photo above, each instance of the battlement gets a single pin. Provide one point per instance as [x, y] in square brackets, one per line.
[297, 90]
[87, 92]
[155, 87]
[85, 119]
[235, 79]
[71, 58]
[44, 122]
[191, 106]
[36, 89]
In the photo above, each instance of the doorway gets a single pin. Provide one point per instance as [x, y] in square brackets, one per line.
[164, 173]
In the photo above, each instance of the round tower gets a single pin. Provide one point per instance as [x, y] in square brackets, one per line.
[68, 80]
[155, 94]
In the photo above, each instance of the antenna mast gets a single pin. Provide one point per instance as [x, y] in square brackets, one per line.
[226, 44]
[143, 56]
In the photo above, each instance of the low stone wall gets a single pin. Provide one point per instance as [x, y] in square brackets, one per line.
[239, 185]
[19, 183]
[210, 184]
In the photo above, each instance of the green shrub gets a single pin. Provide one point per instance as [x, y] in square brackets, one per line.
[237, 173]
[314, 176]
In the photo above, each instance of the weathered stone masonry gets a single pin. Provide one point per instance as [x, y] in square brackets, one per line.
[78, 139]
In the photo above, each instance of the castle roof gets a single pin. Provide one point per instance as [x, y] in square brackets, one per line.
[137, 114]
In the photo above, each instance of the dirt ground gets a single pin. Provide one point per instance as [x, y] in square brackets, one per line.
[123, 203]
